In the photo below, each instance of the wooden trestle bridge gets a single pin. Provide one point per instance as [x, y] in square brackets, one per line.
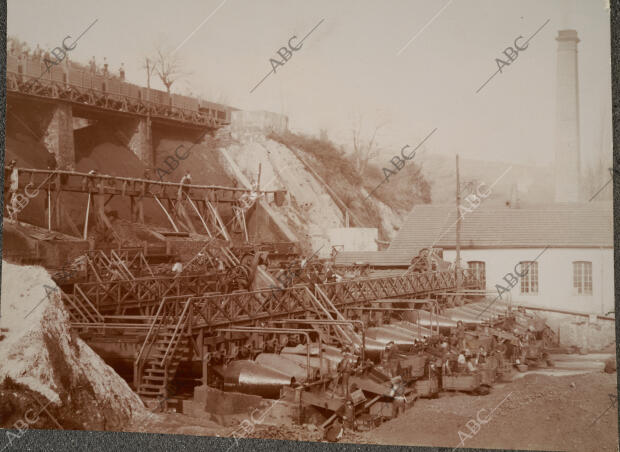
[174, 319]
[187, 208]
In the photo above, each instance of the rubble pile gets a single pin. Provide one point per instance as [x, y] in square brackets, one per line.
[43, 362]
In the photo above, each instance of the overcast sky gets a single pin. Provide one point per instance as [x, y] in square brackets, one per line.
[358, 62]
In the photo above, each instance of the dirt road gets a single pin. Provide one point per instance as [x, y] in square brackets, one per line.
[533, 412]
[570, 412]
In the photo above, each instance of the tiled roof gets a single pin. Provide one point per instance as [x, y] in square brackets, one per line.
[555, 225]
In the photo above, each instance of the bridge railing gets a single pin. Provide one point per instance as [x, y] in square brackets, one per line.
[73, 84]
[103, 183]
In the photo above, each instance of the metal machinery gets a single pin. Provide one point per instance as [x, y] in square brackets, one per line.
[362, 349]
[360, 345]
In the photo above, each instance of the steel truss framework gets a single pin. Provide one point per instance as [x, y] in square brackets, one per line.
[190, 321]
[215, 310]
[143, 294]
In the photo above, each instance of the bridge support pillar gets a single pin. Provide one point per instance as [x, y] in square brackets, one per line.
[58, 136]
[139, 142]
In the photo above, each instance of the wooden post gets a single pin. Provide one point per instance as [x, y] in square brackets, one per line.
[458, 227]
[59, 209]
[141, 210]
[258, 178]
[86, 219]
[49, 210]
[205, 362]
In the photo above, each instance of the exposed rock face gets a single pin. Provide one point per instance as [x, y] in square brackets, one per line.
[42, 362]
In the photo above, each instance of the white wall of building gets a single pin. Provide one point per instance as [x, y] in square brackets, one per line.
[555, 275]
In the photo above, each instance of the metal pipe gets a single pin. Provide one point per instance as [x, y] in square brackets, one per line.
[305, 332]
[331, 322]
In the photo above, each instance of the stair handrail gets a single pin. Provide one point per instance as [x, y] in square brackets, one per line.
[139, 361]
[325, 310]
[66, 298]
[88, 303]
[177, 331]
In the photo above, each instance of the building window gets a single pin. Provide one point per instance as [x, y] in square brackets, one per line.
[478, 269]
[529, 282]
[582, 277]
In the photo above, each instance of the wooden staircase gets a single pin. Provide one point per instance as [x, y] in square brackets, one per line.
[165, 346]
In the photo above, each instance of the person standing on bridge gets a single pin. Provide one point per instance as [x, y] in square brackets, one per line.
[185, 180]
[51, 161]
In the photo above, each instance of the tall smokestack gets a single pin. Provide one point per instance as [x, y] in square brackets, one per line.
[567, 158]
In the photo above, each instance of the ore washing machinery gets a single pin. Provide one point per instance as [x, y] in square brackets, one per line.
[353, 349]
[357, 349]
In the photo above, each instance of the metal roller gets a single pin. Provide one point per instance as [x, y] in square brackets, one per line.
[413, 327]
[485, 315]
[285, 366]
[315, 362]
[373, 349]
[467, 319]
[250, 377]
[424, 318]
[386, 334]
[330, 353]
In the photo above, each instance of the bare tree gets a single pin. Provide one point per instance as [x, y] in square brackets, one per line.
[364, 150]
[168, 66]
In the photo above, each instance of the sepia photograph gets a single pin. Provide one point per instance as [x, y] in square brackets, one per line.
[346, 222]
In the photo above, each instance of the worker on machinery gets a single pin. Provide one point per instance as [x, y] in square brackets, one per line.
[471, 367]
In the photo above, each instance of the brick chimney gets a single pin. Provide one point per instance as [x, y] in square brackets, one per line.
[567, 158]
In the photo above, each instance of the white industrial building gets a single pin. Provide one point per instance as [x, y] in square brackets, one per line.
[566, 246]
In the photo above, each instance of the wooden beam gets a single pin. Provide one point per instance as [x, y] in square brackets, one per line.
[86, 219]
[174, 226]
[191, 203]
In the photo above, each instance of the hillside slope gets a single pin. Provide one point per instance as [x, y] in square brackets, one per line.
[220, 160]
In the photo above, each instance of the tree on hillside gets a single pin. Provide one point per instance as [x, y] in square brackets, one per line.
[364, 149]
[168, 66]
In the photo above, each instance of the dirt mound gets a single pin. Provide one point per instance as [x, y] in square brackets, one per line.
[22, 139]
[113, 159]
[43, 361]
